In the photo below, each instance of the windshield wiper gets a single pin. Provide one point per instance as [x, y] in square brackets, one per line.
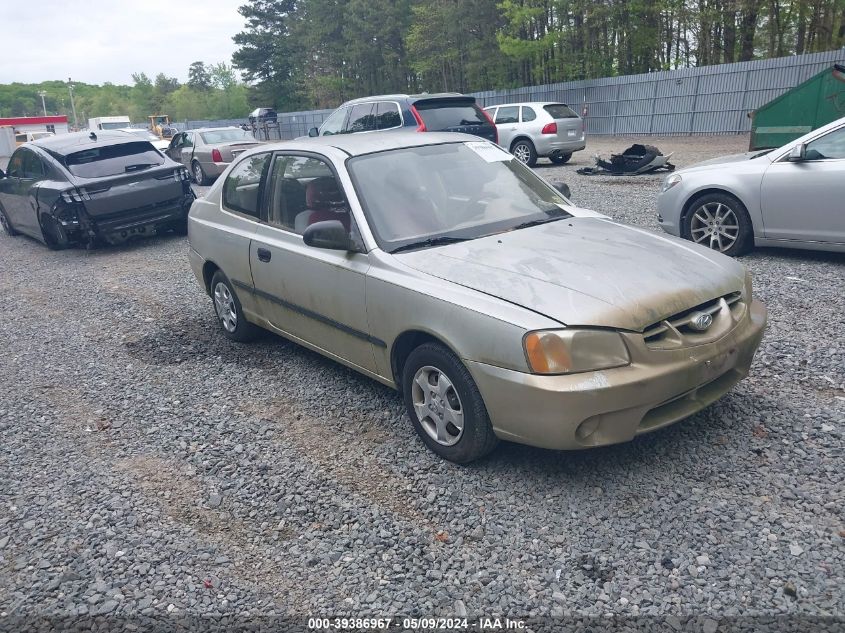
[432, 241]
[551, 216]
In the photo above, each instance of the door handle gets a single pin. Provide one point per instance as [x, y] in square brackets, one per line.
[264, 255]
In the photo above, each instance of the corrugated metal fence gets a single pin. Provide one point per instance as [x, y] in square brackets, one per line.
[705, 100]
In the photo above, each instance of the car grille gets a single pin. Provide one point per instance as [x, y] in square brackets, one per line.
[679, 329]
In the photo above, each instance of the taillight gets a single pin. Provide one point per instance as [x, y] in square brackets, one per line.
[181, 174]
[216, 156]
[75, 195]
[420, 122]
[549, 128]
[495, 129]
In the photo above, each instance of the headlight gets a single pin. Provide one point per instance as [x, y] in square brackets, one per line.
[574, 350]
[670, 182]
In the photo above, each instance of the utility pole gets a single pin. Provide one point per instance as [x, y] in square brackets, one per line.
[72, 106]
[43, 94]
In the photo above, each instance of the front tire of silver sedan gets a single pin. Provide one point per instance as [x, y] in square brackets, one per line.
[445, 405]
[227, 309]
[721, 222]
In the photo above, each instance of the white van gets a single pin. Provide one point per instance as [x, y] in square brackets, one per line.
[108, 123]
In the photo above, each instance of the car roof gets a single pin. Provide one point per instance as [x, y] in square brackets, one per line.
[78, 141]
[214, 129]
[539, 104]
[403, 97]
[370, 142]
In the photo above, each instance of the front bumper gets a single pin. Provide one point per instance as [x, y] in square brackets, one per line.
[669, 206]
[607, 407]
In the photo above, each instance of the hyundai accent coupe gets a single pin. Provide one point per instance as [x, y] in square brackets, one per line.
[440, 265]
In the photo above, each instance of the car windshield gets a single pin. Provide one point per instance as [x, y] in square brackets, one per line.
[97, 162]
[560, 111]
[423, 196]
[227, 136]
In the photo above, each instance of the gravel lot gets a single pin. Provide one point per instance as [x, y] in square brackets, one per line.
[152, 467]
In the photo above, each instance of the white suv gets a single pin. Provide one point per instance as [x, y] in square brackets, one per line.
[536, 129]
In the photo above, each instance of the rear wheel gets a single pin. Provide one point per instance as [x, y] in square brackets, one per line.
[198, 173]
[6, 224]
[721, 222]
[445, 406]
[524, 152]
[560, 158]
[227, 307]
[54, 233]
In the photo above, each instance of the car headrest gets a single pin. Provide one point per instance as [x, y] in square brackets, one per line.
[324, 193]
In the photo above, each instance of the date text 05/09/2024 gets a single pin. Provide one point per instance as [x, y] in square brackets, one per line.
[416, 624]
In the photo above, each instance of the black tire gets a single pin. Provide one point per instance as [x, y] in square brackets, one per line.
[54, 234]
[7, 224]
[692, 223]
[524, 151]
[198, 174]
[243, 331]
[560, 159]
[477, 438]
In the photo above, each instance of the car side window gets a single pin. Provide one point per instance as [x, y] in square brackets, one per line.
[509, 114]
[242, 189]
[528, 114]
[188, 139]
[829, 146]
[334, 124]
[32, 167]
[387, 115]
[303, 191]
[361, 118]
[16, 164]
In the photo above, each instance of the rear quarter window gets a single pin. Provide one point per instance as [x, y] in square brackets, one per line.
[445, 114]
[100, 162]
[560, 111]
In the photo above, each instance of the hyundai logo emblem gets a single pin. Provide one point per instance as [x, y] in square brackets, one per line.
[700, 321]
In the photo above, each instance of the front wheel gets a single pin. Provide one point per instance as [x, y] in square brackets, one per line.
[721, 222]
[6, 224]
[560, 158]
[524, 152]
[445, 406]
[227, 307]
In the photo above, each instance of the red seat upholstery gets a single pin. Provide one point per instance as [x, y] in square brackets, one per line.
[325, 201]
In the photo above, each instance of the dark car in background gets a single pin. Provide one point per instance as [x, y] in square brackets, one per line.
[85, 188]
[263, 115]
[446, 112]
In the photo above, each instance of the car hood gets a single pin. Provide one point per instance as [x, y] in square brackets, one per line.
[726, 160]
[586, 271]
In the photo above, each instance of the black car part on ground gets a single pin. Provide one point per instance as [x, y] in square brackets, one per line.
[637, 159]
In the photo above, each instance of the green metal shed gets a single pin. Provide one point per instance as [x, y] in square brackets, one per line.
[810, 105]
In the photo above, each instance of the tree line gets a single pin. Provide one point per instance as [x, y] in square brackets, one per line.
[301, 54]
[213, 91]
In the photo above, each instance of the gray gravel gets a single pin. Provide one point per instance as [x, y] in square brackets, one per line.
[151, 467]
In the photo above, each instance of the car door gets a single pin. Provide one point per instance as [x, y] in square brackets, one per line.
[803, 200]
[20, 189]
[507, 123]
[186, 150]
[172, 150]
[314, 295]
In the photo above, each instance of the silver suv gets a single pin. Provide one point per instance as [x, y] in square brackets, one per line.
[535, 129]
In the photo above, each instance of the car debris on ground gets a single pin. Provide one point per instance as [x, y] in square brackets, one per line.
[637, 159]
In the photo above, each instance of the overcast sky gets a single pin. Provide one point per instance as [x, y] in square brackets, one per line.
[95, 41]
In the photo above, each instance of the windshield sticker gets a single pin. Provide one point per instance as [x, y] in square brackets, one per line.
[488, 151]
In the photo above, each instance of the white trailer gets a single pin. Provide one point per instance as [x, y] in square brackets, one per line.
[108, 123]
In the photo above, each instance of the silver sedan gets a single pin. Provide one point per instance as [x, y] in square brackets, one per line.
[793, 196]
[207, 152]
[440, 265]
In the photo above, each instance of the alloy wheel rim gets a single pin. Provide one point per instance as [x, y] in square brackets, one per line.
[521, 152]
[715, 225]
[438, 406]
[224, 305]
[4, 222]
[197, 173]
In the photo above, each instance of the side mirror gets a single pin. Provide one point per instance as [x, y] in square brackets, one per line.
[797, 153]
[329, 234]
[563, 188]
[313, 132]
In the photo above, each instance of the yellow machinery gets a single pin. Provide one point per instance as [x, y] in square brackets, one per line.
[160, 126]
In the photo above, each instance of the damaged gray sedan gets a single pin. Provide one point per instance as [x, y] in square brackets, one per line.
[85, 188]
[440, 265]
